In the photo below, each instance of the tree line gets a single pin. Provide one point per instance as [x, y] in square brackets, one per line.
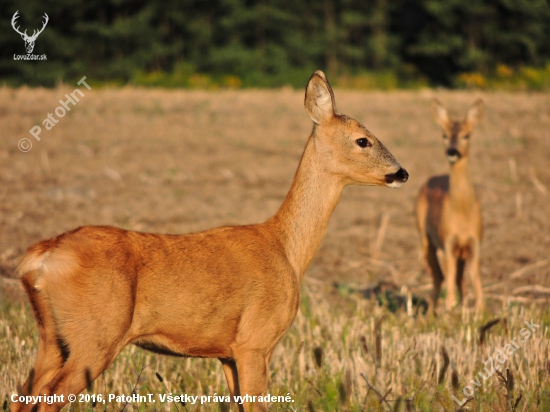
[264, 43]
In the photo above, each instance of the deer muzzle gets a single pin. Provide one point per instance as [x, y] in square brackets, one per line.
[453, 155]
[394, 180]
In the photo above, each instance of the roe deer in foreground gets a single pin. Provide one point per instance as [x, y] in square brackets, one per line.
[228, 293]
[448, 212]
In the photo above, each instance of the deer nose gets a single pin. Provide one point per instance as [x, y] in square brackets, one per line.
[452, 152]
[401, 176]
[453, 155]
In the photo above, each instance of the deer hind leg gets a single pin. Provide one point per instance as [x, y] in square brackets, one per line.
[253, 370]
[90, 352]
[232, 378]
[82, 349]
[430, 253]
[81, 368]
[52, 351]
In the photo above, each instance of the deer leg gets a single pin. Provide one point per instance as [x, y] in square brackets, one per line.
[430, 253]
[83, 350]
[232, 378]
[460, 263]
[82, 367]
[451, 278]
[252, 367]
[475, 276]
[51, 349]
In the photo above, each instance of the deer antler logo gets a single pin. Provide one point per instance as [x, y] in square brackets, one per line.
[29, 40]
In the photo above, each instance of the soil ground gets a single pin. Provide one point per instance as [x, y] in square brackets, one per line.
[183, 161]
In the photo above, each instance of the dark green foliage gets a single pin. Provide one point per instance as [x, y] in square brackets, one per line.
[271, 43]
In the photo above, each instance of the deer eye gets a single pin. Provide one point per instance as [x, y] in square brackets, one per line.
[467, 136]
[445, 136]
[363, 142]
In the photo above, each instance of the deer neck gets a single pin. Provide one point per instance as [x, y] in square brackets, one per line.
[303, 217]
[461, 189]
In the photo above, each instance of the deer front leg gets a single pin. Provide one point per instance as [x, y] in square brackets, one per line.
[450, 274]
[430, 253]
[252, 367]
[475, 275]
[460, 264]
[232, 377]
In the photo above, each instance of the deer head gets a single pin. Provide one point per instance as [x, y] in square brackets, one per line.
[456, 133]
[29, 40]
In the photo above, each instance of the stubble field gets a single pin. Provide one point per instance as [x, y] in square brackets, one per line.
[183, 161]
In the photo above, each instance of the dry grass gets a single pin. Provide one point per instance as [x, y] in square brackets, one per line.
[341, 350]
[180, 161]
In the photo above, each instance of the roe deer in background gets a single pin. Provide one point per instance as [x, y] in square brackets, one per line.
[448, 212]
[228, 293]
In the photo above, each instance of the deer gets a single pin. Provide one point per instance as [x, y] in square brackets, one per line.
[229, 293]
[448, 213]
[29, 40]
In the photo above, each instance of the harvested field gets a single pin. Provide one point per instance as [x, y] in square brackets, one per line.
[183, 161]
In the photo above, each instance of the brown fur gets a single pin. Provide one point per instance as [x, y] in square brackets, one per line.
[229, 293]
[448, 212]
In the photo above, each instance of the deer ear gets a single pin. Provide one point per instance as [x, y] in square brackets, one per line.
[475, 112]
[319, 100]
[439, 113]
